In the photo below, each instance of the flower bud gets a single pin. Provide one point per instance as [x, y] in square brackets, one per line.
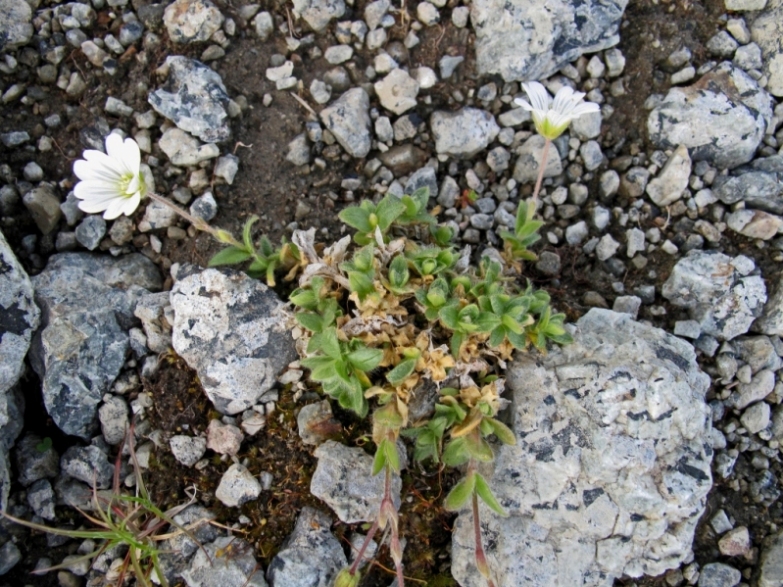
[224, 236]
[346, 579]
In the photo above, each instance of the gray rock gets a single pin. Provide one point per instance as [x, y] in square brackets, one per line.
[758, 189]
[771, 320]
[14, 138]
[82, 346]
[227, 167]
[32, 463]
[634, 182]
[130, 33]
[397, 91]
[587, 126]
[771, 574]
[343, 479]
[44, 206]
[192, 21]
[10, 555]
[315, 423]
[529, 41]
[759, 387]
[606, 247]
[204, 207]
[611, 470]
[735, 543]
[188, 450]
[337, 54]
[348, 119]
[627, 305]
[318, 13]
[16, 28]
[226, 562]
[722, 45]
[422, 178]
[151, 310]
[755, 224]
[448, 64]
[449, 191]
[667, 187]
[766, 31]
[748, 57]
[224, 439]
[548, 263]
[463, 133]
[88, 464]
[90, 231]
[720, 119]
[19, 317]
[577, 233]
[720, 522]
[264, 25]
[719, 575]
[715, 294]
[529, 160]
[176, 552]
[374, 12]
[185, 150]
[237, 486]
[40, 497]
[591, 155]
[756, 418]
[320, 91]
[33, 172]
[194, 98]
[113, 415]
[298, 150]
[310, 557]
[231, 330]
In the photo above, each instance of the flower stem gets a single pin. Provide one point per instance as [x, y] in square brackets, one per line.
[481, 558]
[541, 169]
[198, 223]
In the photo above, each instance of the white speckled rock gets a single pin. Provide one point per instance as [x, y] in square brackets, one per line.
[318, 13]
[720, 119]
[524, 40]
[463, 133]
[230, 329]
[192, 21]
[767, 30]
[611, 468]
[723, 301]
[348, 119]
[237, 486]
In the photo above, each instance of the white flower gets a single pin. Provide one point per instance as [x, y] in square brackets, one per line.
[111, 182]
[551, 119]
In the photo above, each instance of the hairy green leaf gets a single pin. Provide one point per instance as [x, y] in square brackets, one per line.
[486, 495]
[311, 321]
[460, 493]
[401, 372]
[356, 217]
[456, 453]
[229, 256]
[503, 432]
[365, 359]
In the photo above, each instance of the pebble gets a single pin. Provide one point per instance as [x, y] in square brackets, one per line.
[606, 247]
[397, 91]
[237, 487]
[736, 542]
[90, 231]
[459, 16]
[10, 555]
[44, 206]
[33, 172]
[719, 575]
[264, 25]
[427, 13]
[204, 207]
[224, 439]
[756, 418]
[188, 450]
[337, 54]
[448, 64]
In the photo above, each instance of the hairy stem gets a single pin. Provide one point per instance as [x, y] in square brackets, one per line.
[199, 223]
[541, 169]
[355, 566]
[481, 558]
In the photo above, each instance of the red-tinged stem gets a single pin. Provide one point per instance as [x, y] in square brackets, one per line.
[541, 169]
[481, 558]
[355, 566]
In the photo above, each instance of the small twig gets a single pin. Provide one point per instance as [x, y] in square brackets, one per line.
[305, 104]
[240, 144]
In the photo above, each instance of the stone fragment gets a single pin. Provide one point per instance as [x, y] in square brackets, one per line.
[192, 21]
[82, 347]
[188, 450]
[16, 27]
[756, 417]
[348, 119]
[771, 573]
[758, 189]
[719, 575]
[88, 464]
[224, 439]
[754, 223]
[736, 542]
[91, 231]
[44, 206]
[766, 31]
[230, 329]
[151, 310]
[343, 479]
[611, 468]
[113, 415]
[318, 13]
[35, 460]
[397, 91]
[227, 562]
[724, 302]
[194, 98]
[463, 133]
[667, 187]
[311, 556]
[185, 150]
[525, 41]
[237, 487]
[529, 158]
[720, 119]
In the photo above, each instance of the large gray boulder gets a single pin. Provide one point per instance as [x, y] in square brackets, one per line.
[310, 557]
[766, 30]
[719, 292]
[194, 98]
[231, 330]
[720, 119]
[611, 468]
[87, 304]
[523, 40]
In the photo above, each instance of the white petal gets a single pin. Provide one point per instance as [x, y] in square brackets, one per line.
[114, 209]
[523, 103]
[95, 191]
[133, 185]
[585, 108]
[94, 170]
[563, 98]
[131, 204]
[131, 155]
[539, 97]
[102, 159]
[114, 146]
[92, 207]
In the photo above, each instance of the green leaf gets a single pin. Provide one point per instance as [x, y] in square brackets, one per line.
[361, 283]
[304, 298]
[392, 457]
[321, 368]
[312, 322]
[379, 462]
[329, 343]
[449, 315]
[479, 449]
[246, 237]
[456, 453]
[267, 250]
[357, 218]
[485, 493]
[496, 336]
[388, 210]
[503, 432]
[229, 256]
[460, 493]
[365, 359]
[401, 372]
[456, 342]
[398, 272]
